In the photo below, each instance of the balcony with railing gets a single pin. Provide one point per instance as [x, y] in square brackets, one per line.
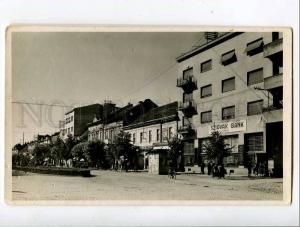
[272, 48]
[189, 108]
[187, 83]
[186, 129]
[273, 82]
[273, 113]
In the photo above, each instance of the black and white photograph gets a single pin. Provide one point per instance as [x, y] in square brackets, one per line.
[151, 116]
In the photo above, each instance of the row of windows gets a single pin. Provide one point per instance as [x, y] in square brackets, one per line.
[253, 142]
[253, 77]
[108, 134]
[143, 138]
[68, 131]
[229, 57]
[69, 119]
[253, 108]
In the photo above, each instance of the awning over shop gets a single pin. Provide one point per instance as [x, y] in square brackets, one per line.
[161, 148]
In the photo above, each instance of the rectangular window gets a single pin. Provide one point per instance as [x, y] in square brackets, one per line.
[71, 118]
[206, 66]
[255, 142]
[232, 142]
[187, 97]
[185, 121]
[228, 58]
[141, 137]
[206, 117]
[150, 136]
[170, 133]
[255, 107]
[164, 134]
[206, 91]
[187, 73]
[228, 113]
[255, 47]
[133, 138]
[255, 76]
[228, 84]
[275, 36]
[157, 135]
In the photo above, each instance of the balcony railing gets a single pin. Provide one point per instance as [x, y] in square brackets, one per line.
[189, 108]
[273, 82]
[272, 48]
[188, 83]
[185, 129]
[272, 108]
[187, 105]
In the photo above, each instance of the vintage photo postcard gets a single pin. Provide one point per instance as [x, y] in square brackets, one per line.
[148, 115]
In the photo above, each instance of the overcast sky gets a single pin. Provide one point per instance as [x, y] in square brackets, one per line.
[75, 69]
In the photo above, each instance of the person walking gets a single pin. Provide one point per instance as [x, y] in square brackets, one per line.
[249, 166]
[202, 167]
[209, 167]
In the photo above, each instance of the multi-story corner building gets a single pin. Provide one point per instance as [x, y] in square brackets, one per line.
[76, 120]
[112, 123]
[233, 84]
[153, 129]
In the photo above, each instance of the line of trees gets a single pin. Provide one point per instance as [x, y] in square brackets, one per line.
[76, 153]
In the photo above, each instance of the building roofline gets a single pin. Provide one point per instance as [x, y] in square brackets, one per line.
[81, 107]
[69, 111]
[98, 122]
[207, 46]
[152, 122]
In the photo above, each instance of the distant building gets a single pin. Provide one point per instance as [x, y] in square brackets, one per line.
[153, 129]
[113, 121]
[43, 139]
[55, 136]
[233, 84]
[76, 120]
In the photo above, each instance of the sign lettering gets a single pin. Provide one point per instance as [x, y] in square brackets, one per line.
[227, 127]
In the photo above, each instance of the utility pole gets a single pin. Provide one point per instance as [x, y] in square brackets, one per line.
[23, 138]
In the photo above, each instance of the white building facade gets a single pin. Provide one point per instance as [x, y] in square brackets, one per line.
[152, 132]
[225, 88]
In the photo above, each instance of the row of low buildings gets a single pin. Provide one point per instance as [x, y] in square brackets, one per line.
[149, 125]
[28, 147]
[232, 83]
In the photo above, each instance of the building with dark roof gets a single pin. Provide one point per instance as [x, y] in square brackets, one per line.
[152, 131]
[76, 120]
[106, 128]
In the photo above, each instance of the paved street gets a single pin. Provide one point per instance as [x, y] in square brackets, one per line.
[110, 185]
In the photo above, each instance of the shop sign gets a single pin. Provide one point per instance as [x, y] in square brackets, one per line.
[228, 127]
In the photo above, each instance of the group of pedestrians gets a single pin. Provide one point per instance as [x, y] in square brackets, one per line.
[213, 169]
[260, 169]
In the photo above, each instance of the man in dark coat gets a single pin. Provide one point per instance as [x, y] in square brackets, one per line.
[209, 167]
[202, 167]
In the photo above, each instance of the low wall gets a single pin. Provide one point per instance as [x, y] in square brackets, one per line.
[56, 171]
